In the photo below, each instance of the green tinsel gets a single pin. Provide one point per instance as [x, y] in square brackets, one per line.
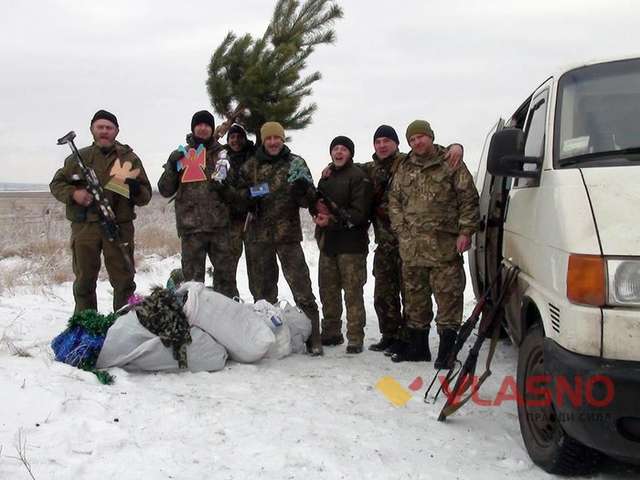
[96, 324]
[92, 321]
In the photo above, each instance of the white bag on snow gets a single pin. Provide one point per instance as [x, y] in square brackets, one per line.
[299, 327]
[235, 325]
[272, 316]
[131, 346]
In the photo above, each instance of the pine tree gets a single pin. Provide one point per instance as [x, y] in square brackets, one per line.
[251, 81]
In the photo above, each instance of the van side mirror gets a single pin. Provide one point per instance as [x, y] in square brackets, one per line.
[506, 155]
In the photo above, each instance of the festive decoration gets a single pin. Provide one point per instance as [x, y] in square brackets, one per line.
[80, 344]
[299, 170]
[193, 163]
[120, 172]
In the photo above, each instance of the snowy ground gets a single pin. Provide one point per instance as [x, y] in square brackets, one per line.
[299, 417]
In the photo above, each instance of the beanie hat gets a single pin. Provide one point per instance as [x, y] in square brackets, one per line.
[387, 132]
[272, 129]
[419, 126]
[345, 142]
[104, 115]
[235, 128]
[203, 116]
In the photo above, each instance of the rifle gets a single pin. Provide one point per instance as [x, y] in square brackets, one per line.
[489, 326]
[340, 213]
[105, 212]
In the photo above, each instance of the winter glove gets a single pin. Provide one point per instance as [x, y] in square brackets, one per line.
[134, 186]
[300, 187]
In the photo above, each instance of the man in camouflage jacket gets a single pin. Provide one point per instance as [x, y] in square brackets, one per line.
[277, 183]
[202, 210]
[433, 211]
[87, 238]
[387, 266]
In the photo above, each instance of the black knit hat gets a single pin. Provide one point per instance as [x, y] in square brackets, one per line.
[104, 115]
[235, 128]
[203, 116]
[345, 142]
[387, 132]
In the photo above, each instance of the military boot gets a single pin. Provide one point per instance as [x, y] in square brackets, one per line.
[385, 342]
[332, 340]
[354, 348]
[447, 341]
[314, 344]
[397, 346]
[416, 349]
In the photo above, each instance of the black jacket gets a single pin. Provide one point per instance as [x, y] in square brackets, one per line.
[350, 190]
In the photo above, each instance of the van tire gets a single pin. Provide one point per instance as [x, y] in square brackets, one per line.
[547, 443]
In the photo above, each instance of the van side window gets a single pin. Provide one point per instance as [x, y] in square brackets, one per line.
[534, 138]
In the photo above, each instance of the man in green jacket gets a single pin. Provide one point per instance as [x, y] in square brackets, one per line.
[342, 221]
[276, 183]
[434, 212]
[126, 186]
[201, 205]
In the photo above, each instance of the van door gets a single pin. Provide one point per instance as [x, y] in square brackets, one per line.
[486, 246]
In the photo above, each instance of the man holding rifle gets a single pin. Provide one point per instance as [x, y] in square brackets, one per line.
[121, 175]
[342, 220]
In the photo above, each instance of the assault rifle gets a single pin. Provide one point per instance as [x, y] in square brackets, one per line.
[103, 207]
[489, 327]
[341, 214]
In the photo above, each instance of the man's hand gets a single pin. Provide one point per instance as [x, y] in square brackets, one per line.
[82, 197]
[453, 155]
[134, 186]
[300, 187]
[463, 243]
[322, 220]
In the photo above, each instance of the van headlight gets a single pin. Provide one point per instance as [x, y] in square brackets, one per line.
[624, 282]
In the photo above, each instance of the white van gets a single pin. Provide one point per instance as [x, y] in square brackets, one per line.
[560, 199]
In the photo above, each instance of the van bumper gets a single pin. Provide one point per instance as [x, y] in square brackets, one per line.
[607, 416]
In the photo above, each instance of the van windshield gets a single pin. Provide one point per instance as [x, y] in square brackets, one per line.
[598, 116]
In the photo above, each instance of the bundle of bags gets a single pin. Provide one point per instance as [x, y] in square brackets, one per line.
[216, 328]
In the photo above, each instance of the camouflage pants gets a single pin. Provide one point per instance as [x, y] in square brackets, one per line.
[87, 243]
[196, 247]
[259, 268]
[387, 270]
[294, 268]
[446, 282]
[346, 272]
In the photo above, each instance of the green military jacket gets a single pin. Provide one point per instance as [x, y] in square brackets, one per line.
[429, 206]
[275, 217]
[380, 173]
[68, 178]
[198, 208]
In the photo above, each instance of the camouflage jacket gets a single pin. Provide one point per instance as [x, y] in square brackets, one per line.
[350, 189]
[198, 209]
[380, 172]
[429, 206]
[68, 178]
[275, 216]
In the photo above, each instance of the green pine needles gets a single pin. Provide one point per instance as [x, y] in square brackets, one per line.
[252, 81]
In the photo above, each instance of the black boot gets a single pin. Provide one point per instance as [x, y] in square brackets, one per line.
[447, 341]
[396, 347]
[416, 349]
[332, 340]
[385, 342]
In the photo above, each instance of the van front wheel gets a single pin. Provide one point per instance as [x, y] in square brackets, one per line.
[548, 444]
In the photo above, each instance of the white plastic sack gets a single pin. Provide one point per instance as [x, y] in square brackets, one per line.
[131, 346]
[234, 325]
[299, 327]
[273, 318]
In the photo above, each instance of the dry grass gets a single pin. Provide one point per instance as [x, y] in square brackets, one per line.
[35, 230]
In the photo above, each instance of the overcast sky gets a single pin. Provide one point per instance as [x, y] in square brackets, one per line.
[458, 64]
